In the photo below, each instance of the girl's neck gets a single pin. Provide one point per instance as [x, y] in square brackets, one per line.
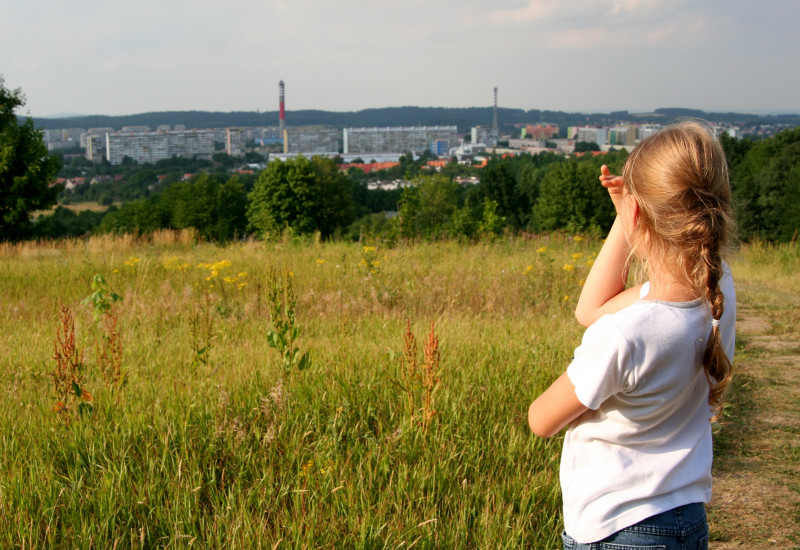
[668, 287]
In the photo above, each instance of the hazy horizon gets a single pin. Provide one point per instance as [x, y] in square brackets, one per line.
[58, 116]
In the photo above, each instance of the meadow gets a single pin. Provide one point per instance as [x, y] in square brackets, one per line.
[178, 415]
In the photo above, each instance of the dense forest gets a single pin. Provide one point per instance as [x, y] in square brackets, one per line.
[525, 193]
[463, 118]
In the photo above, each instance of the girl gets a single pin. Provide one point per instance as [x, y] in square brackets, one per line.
[654, 361]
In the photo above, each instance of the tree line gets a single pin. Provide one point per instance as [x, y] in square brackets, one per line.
[313, 195]
[463, 118]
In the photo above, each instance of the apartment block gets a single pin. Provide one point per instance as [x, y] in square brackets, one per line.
[311, 139]
[539, 131]
[440, 147]
[647, 131]
[397, 139]
[622, 135]
[235, 142]
[154, 146]
[592, 135]
[95, 147]
[483, 134]
[98, 132]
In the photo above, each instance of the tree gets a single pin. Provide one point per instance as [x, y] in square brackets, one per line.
[491, 224]
[303, 194]
[427, 208]
[571, 198]
[765, 177]
[499, 185]
[584, 146]
[224, 159]
[231, 210]
[26, 169]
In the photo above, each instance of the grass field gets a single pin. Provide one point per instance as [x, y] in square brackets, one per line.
[210, 441]
[78, 207]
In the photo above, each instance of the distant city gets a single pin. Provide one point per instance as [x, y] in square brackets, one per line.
[144, 144]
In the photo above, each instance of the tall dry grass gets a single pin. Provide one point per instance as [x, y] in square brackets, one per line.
[230, 452]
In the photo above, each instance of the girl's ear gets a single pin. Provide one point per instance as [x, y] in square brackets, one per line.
[634, 212]
[630, 212]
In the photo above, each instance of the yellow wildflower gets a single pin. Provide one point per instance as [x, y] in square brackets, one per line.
[320, 261]
[577, 238]
[541, 250]
[577, 256]
[566, 298]
[529, 268]
[569, 267]
[215, 268]
[174, 263]
[305, 468]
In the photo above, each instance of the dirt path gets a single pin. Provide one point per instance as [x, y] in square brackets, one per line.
[756, 501]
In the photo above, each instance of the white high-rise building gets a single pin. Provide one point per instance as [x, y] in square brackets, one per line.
[154, 146]
[399, 139]
[311, 139]
[592, 135]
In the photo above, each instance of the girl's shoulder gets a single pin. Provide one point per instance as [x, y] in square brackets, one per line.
[645, 319]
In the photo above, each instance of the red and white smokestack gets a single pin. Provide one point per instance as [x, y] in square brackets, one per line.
[282, 113]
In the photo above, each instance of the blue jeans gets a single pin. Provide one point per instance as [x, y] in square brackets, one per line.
[682, 528]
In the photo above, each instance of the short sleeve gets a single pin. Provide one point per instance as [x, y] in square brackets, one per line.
[600, 367]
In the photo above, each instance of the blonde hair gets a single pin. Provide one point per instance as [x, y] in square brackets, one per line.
[679, 179]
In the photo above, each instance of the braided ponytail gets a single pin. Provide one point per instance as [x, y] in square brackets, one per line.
[716, 364]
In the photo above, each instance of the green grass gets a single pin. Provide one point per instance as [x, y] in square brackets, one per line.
[231, 452]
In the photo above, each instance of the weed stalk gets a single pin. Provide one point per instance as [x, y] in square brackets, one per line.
[420, 383]
[284, 332]
[109, 346]
[68, 383]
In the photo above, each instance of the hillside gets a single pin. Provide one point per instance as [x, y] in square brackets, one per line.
[464, 118]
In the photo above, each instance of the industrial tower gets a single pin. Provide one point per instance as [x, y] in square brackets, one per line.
[282, 116]
[495, 130]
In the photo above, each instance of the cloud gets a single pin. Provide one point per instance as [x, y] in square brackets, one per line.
[634, 6]
[556, 11]
[535, 10]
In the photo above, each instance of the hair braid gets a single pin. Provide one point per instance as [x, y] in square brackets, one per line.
[716, 364]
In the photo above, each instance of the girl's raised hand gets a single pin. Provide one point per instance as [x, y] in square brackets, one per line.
[613, 184]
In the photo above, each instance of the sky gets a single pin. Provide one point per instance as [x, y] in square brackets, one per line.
[118, 58]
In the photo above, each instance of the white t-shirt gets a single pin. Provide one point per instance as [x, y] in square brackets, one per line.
[646, 448]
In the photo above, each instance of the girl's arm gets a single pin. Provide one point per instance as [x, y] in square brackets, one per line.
[555, 408]
[604, 290]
